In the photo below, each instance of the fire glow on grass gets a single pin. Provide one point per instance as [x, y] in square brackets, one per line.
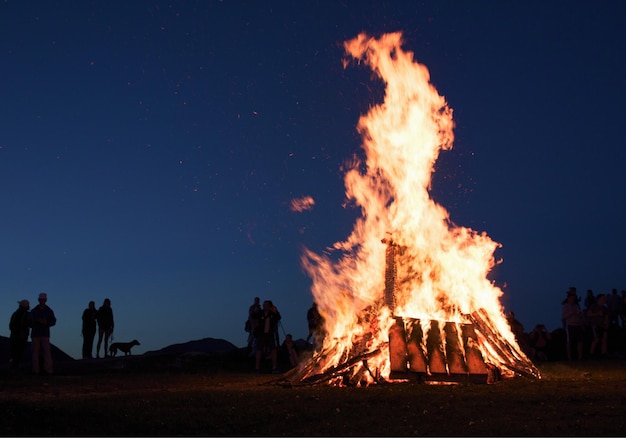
[444, 266]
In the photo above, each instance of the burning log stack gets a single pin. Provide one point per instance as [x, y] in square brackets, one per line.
[422, 350]
[444, 350]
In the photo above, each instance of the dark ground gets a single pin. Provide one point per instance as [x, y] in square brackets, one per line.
[217, 394]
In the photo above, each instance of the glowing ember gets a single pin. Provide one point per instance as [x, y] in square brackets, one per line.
[302, 204]
[439, 269]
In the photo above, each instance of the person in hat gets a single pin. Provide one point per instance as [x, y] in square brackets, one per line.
[20, 329]
[41, 319]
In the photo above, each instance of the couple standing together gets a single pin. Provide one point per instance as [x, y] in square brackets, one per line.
[103, 318]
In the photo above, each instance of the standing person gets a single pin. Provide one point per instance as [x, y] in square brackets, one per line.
[41, 319]
[539, 338]
[315, 322]
[20, 329]
[623, 315]
[518, 331]
[571, 290]
[590, 299]
[253, 323]
[290, 346]
[573, 320]
[89, 329]
[267, 323]
[105, 326]
[598, 316]
[614, 304]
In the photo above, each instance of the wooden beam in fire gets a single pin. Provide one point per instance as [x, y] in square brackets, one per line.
[339, 371]
[512, 359]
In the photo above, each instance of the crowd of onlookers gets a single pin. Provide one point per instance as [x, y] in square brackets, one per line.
[263, 337]
[592, 327]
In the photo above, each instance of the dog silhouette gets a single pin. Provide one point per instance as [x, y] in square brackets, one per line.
[122, 346]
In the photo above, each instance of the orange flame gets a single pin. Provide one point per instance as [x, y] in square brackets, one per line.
[444, 267]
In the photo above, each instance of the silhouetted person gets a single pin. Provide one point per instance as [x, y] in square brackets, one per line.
[290, 347]
[89, 329]
[315, 323]
[623, 315]
[267, 319]
[20, 329]
[539, 339]
[252, 323]
[518, 331]
[41, 319]
[276, 336]
[105, 326]
[614, 303]
[572, 317]
[516, 327]
[598, 316]
[590, 299]
[571, 290]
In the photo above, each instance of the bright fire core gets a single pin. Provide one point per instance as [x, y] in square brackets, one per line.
[442, 275]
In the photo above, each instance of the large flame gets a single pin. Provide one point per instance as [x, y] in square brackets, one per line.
[444, 266]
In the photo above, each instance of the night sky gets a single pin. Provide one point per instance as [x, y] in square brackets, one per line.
[150, 151]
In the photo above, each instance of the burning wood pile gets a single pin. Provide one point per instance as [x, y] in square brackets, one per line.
[430, 351]
[418, 303]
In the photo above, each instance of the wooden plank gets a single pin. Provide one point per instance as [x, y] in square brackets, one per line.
[415, 351]
[435, 350]
[454, 350]
[398, 354]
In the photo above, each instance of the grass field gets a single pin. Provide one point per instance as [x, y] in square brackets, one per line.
[572, 399]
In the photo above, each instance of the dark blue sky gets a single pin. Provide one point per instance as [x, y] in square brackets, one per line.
[149, 151]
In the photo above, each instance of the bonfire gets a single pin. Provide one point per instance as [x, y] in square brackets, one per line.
[408, 290]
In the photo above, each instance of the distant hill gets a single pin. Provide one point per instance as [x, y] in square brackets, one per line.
[206, 345]
[5, 353]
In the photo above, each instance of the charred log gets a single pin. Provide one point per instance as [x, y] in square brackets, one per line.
[339, 371]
